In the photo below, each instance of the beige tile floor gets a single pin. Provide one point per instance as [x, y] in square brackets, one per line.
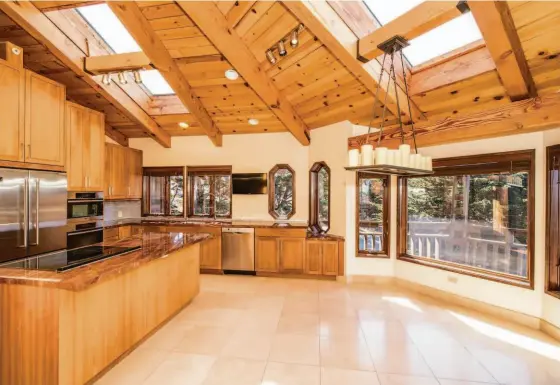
[271, 331]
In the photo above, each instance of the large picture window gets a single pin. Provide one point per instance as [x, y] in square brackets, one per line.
[474, 216]
[210, 191]
[552, 278]
[372, 215]
[319, 197]
[281, 193]
[163, 191]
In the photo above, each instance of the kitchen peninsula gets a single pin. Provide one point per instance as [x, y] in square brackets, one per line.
[65, 328]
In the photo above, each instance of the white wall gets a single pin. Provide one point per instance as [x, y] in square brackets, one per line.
[245, 153]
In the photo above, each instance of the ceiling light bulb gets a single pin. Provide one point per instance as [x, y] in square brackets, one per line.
[294, 38]
[231, 74]
[270, 56]
[106, 79]
[253, 121]
[122, 78]
[137, 77]
[282, 48]
[183, 125]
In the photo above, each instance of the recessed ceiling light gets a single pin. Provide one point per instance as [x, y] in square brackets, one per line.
[231, 74]
[253, 121]
[183, 125]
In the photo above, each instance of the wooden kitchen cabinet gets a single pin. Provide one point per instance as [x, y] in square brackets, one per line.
[330, 258]
[322, 257]
[12, 107]
[44, 120]
[267, 255]
[313, 258]
[123, 172]
[292, 253]
[85, 130]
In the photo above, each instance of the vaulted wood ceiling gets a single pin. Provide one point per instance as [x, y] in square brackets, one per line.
[320, 82]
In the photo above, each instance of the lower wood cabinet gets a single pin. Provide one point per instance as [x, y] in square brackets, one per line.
[267, 255]
[292, 254]
[321, 257]
[210, 250]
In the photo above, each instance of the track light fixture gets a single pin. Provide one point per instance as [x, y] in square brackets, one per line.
[270, 56]
[137, 77]
[282, 48]
[294, 38]
[106, 79]
[122, 78]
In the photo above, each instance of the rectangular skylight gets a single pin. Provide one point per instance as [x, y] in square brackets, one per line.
[113, 32]
[441, 40]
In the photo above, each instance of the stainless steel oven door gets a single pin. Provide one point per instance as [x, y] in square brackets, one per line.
[84, 234]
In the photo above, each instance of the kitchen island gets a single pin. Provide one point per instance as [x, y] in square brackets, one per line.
[66, 328]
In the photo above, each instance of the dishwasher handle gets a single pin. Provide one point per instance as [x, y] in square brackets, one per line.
[238, 230]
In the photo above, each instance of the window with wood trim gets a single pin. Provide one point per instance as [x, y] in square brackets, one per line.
[210, 191]
[163, 191]
[281, 193]
[372, 215]
[552, 268]
[320, 197]
[474, 216]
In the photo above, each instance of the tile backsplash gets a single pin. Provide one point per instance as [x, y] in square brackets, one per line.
[113, 210]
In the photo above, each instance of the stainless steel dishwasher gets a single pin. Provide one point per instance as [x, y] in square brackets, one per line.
[238, 250]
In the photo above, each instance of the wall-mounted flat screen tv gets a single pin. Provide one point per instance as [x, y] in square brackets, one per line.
[249, 183]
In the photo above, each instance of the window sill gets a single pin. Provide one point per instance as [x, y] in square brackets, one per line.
[555, 294]
[362, 254]
[470, 271]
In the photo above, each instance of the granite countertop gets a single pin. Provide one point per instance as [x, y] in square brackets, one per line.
[325, 237]
[166, 221]
[154, 246]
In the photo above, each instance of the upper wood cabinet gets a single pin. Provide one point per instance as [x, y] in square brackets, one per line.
[85, 148]
[123, 172]
[12, 107]
[44, 120]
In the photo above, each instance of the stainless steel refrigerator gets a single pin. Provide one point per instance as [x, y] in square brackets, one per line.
[32, 212]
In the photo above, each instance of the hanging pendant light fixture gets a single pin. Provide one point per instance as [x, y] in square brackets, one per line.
[382, 160]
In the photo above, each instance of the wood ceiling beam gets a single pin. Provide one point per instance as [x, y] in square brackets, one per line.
[416, 22]
[116, 135]
[32, 20]
[529, 115]
[462, 65]
[47, 6]
[139, 27]
[97, 65]
[214, 25]
[498, 30]
[331, 30]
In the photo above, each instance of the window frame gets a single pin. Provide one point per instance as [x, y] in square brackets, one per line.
[314, 197]
[272, 190]
[212, 171]
[386, 252]
[476, 164]
[550, 151]
[146, 203]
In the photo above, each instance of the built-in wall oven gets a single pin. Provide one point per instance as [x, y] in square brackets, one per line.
[81, 234]
[85, 205]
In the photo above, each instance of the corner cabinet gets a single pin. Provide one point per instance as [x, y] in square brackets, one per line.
[32, 118]
[85, 130]
[322, 257]
[123, 172]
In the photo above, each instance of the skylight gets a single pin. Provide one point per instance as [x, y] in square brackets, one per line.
[110, 28]
[441, 40]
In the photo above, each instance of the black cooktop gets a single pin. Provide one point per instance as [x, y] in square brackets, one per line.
[69, 259]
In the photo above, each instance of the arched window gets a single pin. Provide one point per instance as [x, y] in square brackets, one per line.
[320, 197]
[282, 192]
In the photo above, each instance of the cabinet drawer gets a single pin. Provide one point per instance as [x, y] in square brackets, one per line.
[281, 232]
[111, 233]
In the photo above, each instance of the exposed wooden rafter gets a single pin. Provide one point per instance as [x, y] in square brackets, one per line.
[46, 6]
[536, 114]
[331, 30]
[34, 22]
[97, 65]
[116, 135]
[419, 20]
[138, 26]
[216, 27]
[496, 25]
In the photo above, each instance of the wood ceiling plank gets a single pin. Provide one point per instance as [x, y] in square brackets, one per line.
[210, 20]
[331, 30]
[325, 83]
[258, 25]
[42, 29]
[225, 5]
[257, 12]
[47, 6]
[193, 52]
[317, 59]
[135, 22]
[276, 32]
[529, 115]
[331, 97]
[498, 29]
[236, 89]
[238, 11]
[465, 65]
[182, 21]
[419, 20]
[320, 79]
[307, 44]
[162, 11]
[179, 33]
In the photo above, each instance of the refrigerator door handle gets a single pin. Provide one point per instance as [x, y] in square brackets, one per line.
[38, 181]
[25, 212]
